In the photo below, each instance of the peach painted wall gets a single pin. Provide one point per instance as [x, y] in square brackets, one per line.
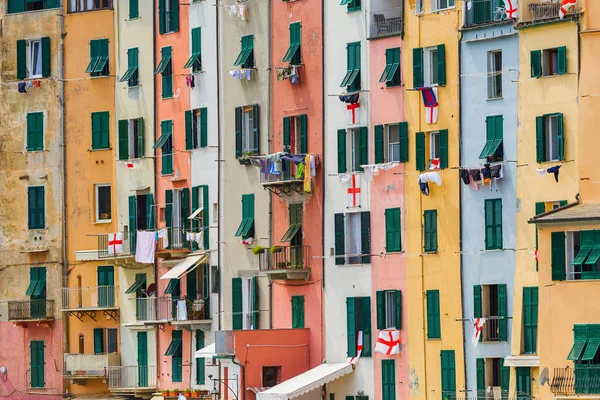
[164, 378]
[387, 191]
[289, 100]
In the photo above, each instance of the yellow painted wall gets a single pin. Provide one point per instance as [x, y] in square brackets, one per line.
[439, 271]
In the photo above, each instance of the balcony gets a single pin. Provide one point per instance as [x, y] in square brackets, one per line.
[485, 12]
[539, 11]
[288, 263]
[123, 245]
[386, 23]
[281, 177]
[89, 300]
[132, 379]
[159, 310]
[31, 310]
[83, 366]
[582, 380]
[175, 246]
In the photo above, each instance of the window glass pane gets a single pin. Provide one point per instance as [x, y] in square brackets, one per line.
[393, 143]
[551, 138]
[433, 65]
[390, 309]
[353, 243]
[355, 143]
[435, 145]
[104, 206]
[247, 136]
[36, 58]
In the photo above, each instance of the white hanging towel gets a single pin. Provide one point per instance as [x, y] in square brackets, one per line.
[181, 311]
[144, 251]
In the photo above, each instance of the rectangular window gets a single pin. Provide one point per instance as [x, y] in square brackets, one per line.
[176, 354]
[358, 237]
[195, 60]
[441, 4]
[418, 6]
[448, 364]
[358, 319]
[295, 136]
[297, 312]
[106, 286]
[88, 5]
[33, 58]
[98, 341]
[530, 319]
[494, 308]
[391, 142]
[352, 78]
[246, 57]
[392, 230]
[36, 207]
[493, 149]
[388, 379]
[165, 68]
[389, 309]
[433, 315]
[524, 382]
[103, 203]
[493, 224]
[35, 131]
[294, 232]
[168, 16]
[493, 375]
[431, 65]
[271, 376]
[580, 253]
[294, 54]
[16, 6]
[434, 146]
[353, 5]
[353, 151]
[494, 81]
[246, 227]
[100, 130]
[200, 365]
[391, 73]
[196, 128]
[430, 241]
[246, 130]
[165, 142]
[99, 58]
[36, 363]
[131, 76]
[550, 62]
[131, 139]
[134, 9]
[550, 141]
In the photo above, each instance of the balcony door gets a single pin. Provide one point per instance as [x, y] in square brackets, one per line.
[106, 286]
[142, 359]
[37, 276]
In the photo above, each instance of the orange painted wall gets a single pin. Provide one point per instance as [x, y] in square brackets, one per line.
[288, 100]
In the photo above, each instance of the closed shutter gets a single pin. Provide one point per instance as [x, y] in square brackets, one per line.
[140, 138]
[185, 212]
[477, 304]
[206, 290]
[200, 373]
[123, 139]
[365, 236]
[175, 15]
[480, 363]
[297, 311]
[563, 203]
[169, 208]
[35, 131]
[433, 314]
[351, 326]
[388, 379]
[132, 214]
[365, 308]
[286, 133]
[236, 304]
[150, 211]
[36, 207]
[560, 137]
[504, 378]
[417, 68]
[398, 297]
[420, 151]
[448, 374]
[341, 151]
[364, 147]
[502, 313]
[378, 144]
[303, 134]
[256, 128]
[21, 59]
[203, 127]
[430, 231]
[540, 208]
[340, 245]
[206, 218]
[562, 60]
[390, 230]
[191, 285]
[134, 11]
[536, 63]
[558, 256]
[530, 316]
[254, 302]
[444, 148]
[441, 64]
[238, 132]
[98, 341]
[46, 57]
[37, 363]
[380, 303]
[493, 224]
[161, 16]
[403, 141]
[540, 150]
[189, 139]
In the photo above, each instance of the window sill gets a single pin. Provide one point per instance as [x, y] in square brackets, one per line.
[102, 149]
[34, 150]
[494, 98]
[32, 11]
[134, 87]
[434, 339]
[169, 174]
[99, 76]
[88, 11]
[167, 98]
[429, 253]
[133, 19]
[550, 161]
[442, 10]
[168, 33]
[34, 77]
[102, 222]
[37, 229]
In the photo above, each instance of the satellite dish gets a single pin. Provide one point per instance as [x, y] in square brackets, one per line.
[544, 377]
[151, 291]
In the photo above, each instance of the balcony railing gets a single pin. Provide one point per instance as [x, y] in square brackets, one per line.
[111, 246]
[279, 172]
[386, 22]
[538, 10]
[90, 365]
[289, 262]
[490, 330]
[164, 309]
[96, 297]
[132, 378]
[582, 380]
[482, 12]
[31, 310]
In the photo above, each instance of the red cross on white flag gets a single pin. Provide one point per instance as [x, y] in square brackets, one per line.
[564, 7]
[115, 243]
[359, 348]
[478, 325]
[388, 342]
[353, 113]
[354, 191]
[511, 8]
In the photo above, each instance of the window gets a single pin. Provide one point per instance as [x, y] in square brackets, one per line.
[352, 78]
[353, 5]
[200, 365]
[165, 142]
[294, 53]
[585, 356]
[33, 58]
[490, 301]
[391, 142]
[37, 292]
[391, 73]
[353, 238]
[175, 351]
[131, 139]
[134, 9]
[81, 344]
[88, 5]
[358, 319]
[550, 142]
[103, 203]
[297, 311]
[448, 365]
[429, 66]
[393, 241]
[176, 215]
[418, 6]
[494, 81]
[246, 57]
[353, 152]
[195, 60]
[196, 128]
[99, 64]
[493, 149]
[201, 206]
[271, 376]
[433, 315]
[100, 130]
[168, 16]
[388, 379]
[436, 147]
[36, 207]
[246, 227]
[524, 382]
[579, 255]
[548, 62]
[493, 224]
[165, 67]
[16, 6]
[441, 4]
[430, 242]
[244, 302]
[389, 309]
[491, 373]
[36, 363]
[35, 131]
[106, 286]
[131, 76]
[295, 134]
[294, 236]
[530, 319]
[198, 292]
[246, 130]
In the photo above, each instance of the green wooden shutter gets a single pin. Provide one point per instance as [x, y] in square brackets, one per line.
[477, 302]
[540, 207]
[480, 362]
[341, 151]
[98, 340]
[364, 147]
[417, 68]
[150, 211]
[256, 128]
[294, 301]
[430, 230]
[45, 57]
[380, 303]
[36, 207]
[504, 378]
[502, 312]
[142, 358]
[206, 287]
[297, 312]
[140, 137]
[189, 140]
[562, 60]
[206, 218]
[420, 151]
[185, 211]
[536, 63]
[398, 297]
[388, 379]
[365, 236]
[35, 131]
[21, 59]
[238, 132]
[448, 374]
[161, 16]
[379, 144]
[558, 256]
[254, 302]
[134, 11]
[340, 245]
[365, 308]
[236, 304]
[200, 372]
[123, 139]
[203, 127]
[530, 316]
[303, 134]
[132, 214]
[433, 314]
[169, 208]
[403, 141]
[175, 14]
[351, 326]
[539, 139]
[286, 133]
[37, 363]
[392, 230]
[563, 203]
[441, 64]
[444, 148]
[560, 137]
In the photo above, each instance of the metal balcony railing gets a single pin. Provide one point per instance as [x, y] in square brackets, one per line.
[132, 377]
[164, 309]
[490, 330]
[90, 365]
[386, 22]
[538, 10]
[582, 380]
[111, 246]
[279, 172]
[96, 297]
[286, 257]
[30, 310]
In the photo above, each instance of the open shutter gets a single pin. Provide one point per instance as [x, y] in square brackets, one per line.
[365, 308]
[340, 245]
[403, 141]
[254, 301]
[417, 68]
[364, 147]
[189, 140]
[398, 297]
[206, 291]
[539, 139]
[562, 60]
[203, 127]
[206, 216]
[480, 375]
[502, 312]
[45, 57]
[558, 256]
[341, 151]
[256, 128]
[504, 377]
[379, 143]
[351, 326]
[140, 137]
[175, 14]
[236, 304]
[444, 148]
[286, 133]
[195, 205]
[21, 59]
[98, 341]
[132, 214]
[123, 139]
[477, 305]
[169, 208]
[238, 132]
[303, 134]
[441, 64]
[185, 209]
[380, 300]
[150, 211]
[365, 236]
[560, 138]
[420, 151]
[536, 63]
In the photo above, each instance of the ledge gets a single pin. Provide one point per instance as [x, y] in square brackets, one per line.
[524, 360]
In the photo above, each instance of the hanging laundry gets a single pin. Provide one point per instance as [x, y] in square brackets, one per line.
[554, 170]
[295, 75]
[475, 174]
[164, 235]
[243, 12]
[564, 7]
[353, 114]
[182, 310]
[190, 81]
[295, 158]
[237, 74]
[313, 165]
[145, 245]
[300, 171]
[247, 74]
[21, 87]
[350, 98]
[354, 191]
[464, 176]
[472, 184]
[430, 101]
[308, 173]
[424, 187]
[496, 171]
[435, 164]
[29, 84]
[432, 177]
[37, 83]
[541, 171]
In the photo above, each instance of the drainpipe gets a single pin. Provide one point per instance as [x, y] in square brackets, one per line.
[154, 105]
[270, 148]
[220, 161]
[323, 185]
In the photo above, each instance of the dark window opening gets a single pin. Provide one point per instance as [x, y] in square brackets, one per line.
[271, 376]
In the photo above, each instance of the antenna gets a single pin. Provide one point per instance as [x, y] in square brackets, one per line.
[544, 377]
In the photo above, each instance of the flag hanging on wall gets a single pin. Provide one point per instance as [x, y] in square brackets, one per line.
[388, 342]
[354, 191]
[511, 8]
[359, 347]
[430, 101]
[478, 325]
[564, 7]
[115, 243]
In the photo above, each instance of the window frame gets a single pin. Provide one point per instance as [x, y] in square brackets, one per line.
[30, 147]
[436, 5]
[30, 222]
[550, 136]
[245, 58]
[430, 66]
[350, 239]
[99, 55]
[434, 145]
[391, 75]
[433, 247]
[389, 143]
[352, 78]
[30, 58]
[102, 141]
[79, 3]
[419, 7]
[391, 309]
[97, 187]
[133, 126]
[494, 81]
[491, 243]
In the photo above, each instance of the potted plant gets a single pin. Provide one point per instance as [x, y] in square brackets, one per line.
[204, 393]
[256, 250]
[195, 394]
[275, 249]
[164, 392]
[174, 392]
[245, 158]
[187, 392]
[281, 265]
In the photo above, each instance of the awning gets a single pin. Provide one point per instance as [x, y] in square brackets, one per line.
[206, 352]
[162, 139]
[258, 389]
[289, 54]
[247, 47]
[305, 382]
[350, 77]
[164, 61]
[41, 283]
[577, 349]
[140, 281]
[96, 64]
[185, 266]
[389, 72]
[244, 227]
[128, 74]
[490, 148]
[594, 256]
[195, 213]
[171, 286]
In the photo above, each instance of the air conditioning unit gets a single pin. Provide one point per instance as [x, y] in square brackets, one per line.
[224, 342]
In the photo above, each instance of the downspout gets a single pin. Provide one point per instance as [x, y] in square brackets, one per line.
[323, 177]
[270, 149]
[154, 104]
[242, 385]
[219, 169]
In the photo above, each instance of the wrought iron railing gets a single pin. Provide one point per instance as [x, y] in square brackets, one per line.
[132, 377]
[95, 297]
[279, 172]
[30, 310]
[538, 10]
[490, 330]
[385, 22]
[161, 309]
[90, 365]
[582, 380]
[285, 257]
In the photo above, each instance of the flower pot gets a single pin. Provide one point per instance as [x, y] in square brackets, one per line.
[164, 393]
[195, 394]
[187, 393]
[173, 393]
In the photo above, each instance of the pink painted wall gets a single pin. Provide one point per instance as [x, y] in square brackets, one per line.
[388, 189]
[290, 100]
[165, 364]
[15, 356]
